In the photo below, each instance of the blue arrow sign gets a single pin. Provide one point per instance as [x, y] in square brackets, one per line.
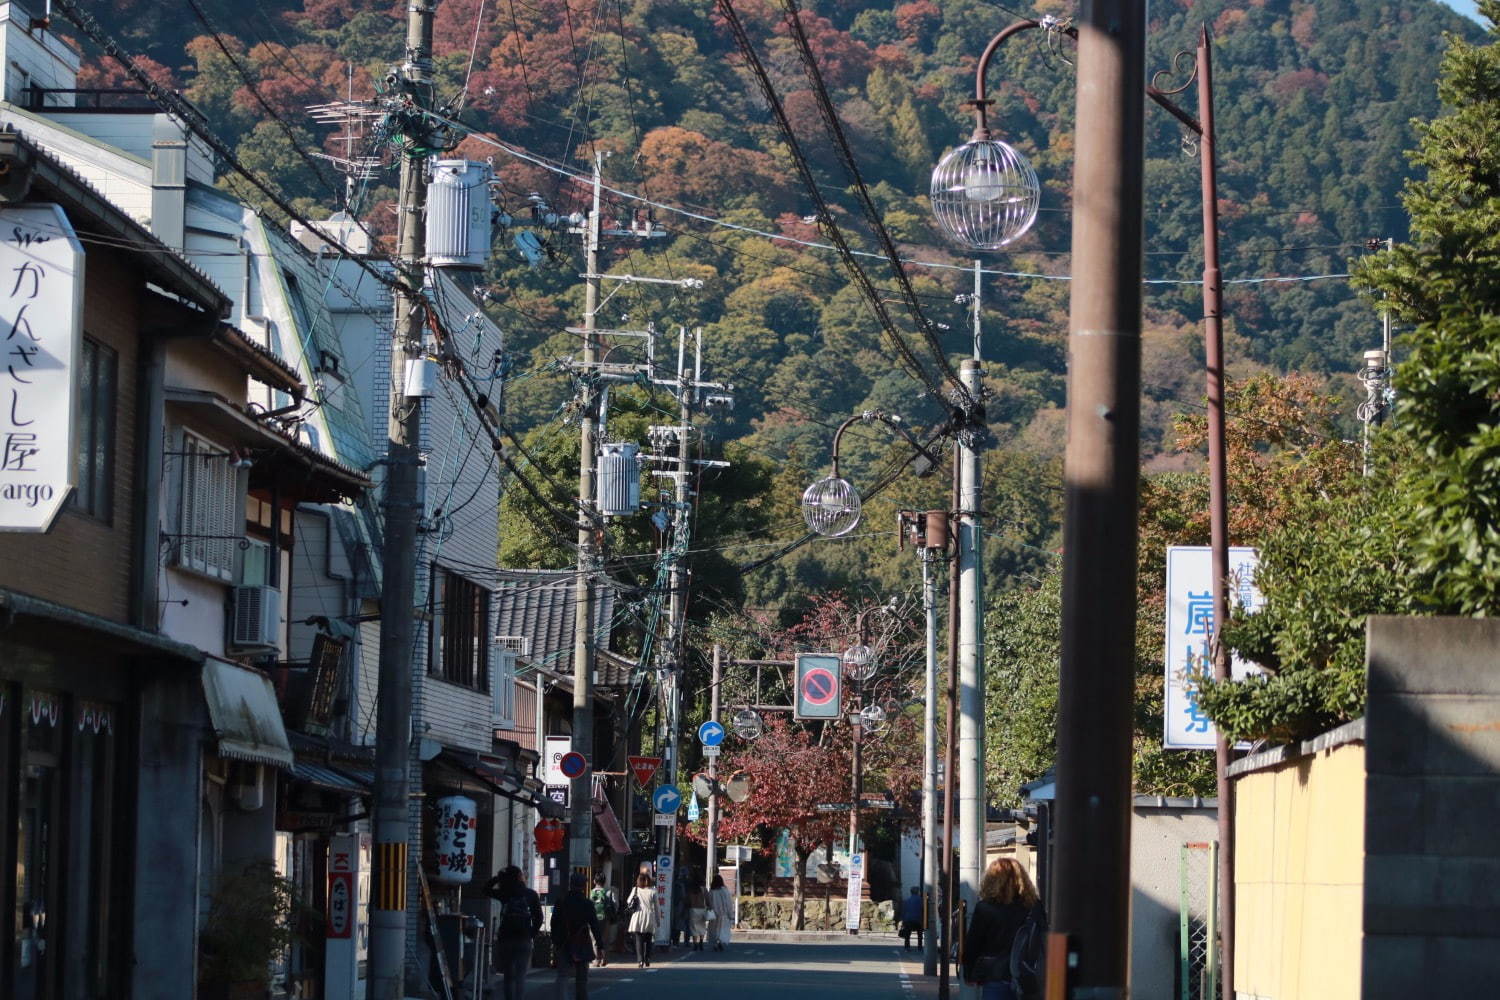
[666, 799]
[711, 734]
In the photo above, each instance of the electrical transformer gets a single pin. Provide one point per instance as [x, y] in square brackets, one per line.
[619, 478]
[459, 214]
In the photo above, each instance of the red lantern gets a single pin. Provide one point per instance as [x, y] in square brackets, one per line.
[549, 836]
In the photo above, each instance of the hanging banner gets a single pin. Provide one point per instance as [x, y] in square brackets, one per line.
[457, 829]
[1190, 629]
[786, 858]
[41, 325]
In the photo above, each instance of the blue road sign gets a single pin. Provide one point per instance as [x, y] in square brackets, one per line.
[666, 799]
[711, 734]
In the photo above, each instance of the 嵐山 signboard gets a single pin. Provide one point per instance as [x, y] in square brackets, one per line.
[1190, 633]
[41, 323]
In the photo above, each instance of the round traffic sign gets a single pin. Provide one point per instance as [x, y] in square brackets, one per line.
[572, 764]
[711, 734]
[666, 799]
[819, 686]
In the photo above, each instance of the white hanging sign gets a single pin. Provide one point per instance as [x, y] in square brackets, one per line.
[855, 891]
[1190, 628]
[457, 829]
[41, 325]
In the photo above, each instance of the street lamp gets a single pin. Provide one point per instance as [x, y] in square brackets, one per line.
[831, 506]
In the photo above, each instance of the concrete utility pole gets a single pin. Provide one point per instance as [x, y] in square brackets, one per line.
[712, 846]
[970, 656]
[1091, 892]
[581, 796]
[403, 508]
[678, 579]
[947, 871]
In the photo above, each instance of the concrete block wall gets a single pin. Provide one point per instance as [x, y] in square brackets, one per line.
[1432, 853]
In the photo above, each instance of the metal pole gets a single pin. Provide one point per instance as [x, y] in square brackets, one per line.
[929, 764]
[712, 847]
[970, 657]
[580, 802]
[1101, 477]
[1218, 488]
[391, 821]
[978, 290]
[950, 742]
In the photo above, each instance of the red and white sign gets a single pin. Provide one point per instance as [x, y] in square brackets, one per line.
[644, 769]
[341, 904]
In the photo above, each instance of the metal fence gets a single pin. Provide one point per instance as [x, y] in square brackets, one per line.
[1198, 940]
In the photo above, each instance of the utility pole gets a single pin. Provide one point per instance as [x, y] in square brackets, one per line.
[970, 651]
[1091, 897]
[403, 507]
[581, 797]
[712, 846]
[947, 870]
[934, 545]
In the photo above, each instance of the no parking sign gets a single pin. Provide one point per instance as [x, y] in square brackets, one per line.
[818, 686]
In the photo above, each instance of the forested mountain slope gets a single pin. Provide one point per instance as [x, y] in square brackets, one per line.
[1314, 103]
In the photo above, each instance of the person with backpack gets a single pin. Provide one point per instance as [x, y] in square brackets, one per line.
[606, 908]
[1002, 951]
[516, 927]
[575, 934]
[640, 909]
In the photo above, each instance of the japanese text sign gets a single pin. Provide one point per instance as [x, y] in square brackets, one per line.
[41, 324]
[1190, 631]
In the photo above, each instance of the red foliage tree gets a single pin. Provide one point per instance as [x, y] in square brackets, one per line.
[789, 773]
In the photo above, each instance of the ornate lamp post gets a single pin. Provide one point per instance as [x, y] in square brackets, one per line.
[831, 506]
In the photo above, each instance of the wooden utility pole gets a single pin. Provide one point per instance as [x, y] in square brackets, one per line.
[1091, 899]
[403, 509]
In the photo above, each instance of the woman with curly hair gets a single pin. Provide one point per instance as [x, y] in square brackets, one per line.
[1006, 899]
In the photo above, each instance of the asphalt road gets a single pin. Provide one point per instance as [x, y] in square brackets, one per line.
[751, 970]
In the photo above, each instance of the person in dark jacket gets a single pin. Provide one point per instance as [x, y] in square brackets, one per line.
[1006, 899]
[577, 937]
[912, 918]
[516, 928]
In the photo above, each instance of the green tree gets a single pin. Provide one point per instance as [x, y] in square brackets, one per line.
[1447, 283]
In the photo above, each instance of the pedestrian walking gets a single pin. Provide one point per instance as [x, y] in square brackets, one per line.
[1008, 909]
[640, 913]
[575, 934]
[516, 928]
[720, 913]
[912, 918]
[697, 906]
[607, 909]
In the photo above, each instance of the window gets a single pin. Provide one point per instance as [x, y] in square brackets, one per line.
[461, 626]
[94, 469]
[209, 520]
[503, 687]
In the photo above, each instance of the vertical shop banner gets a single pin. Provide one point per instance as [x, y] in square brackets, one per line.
[41, 326]
[1190, 630]
[664, 899]
[856, 890]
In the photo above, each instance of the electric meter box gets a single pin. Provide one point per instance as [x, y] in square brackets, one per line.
[619, 478]
[458, 214]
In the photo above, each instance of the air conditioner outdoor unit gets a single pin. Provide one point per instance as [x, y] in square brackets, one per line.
[257, 618]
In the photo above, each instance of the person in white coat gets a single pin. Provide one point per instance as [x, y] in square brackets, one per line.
[640, 905]
[721, 905]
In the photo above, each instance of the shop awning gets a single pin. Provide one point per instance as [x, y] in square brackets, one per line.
[62, 621]
[328, 778]
[607, 823]
[242, 707]
[493, 771]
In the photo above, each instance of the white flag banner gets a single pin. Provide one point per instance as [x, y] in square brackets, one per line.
[1190, 628]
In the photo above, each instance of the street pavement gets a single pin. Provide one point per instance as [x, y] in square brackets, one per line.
[759, 969]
